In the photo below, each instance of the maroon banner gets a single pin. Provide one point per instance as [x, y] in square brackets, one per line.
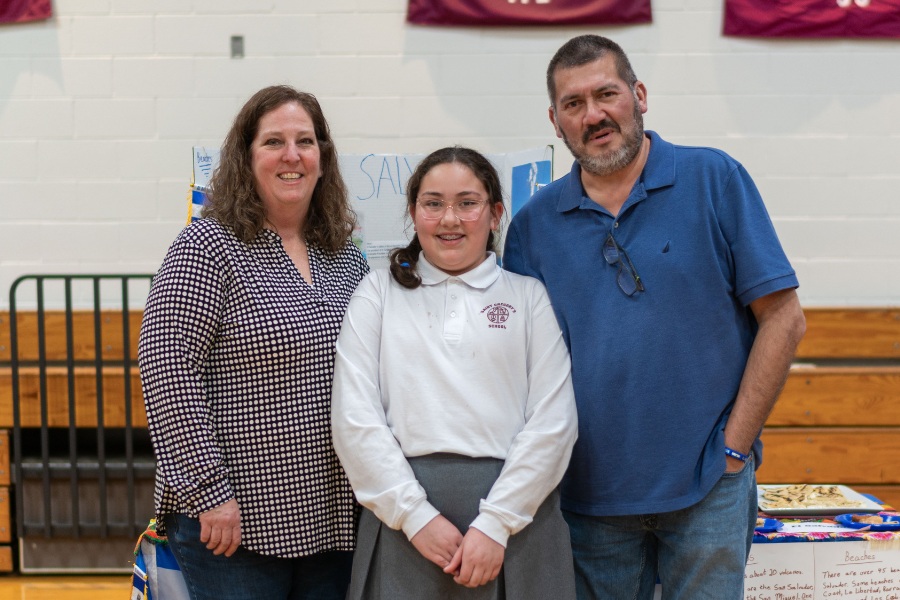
[813, 18]
[528, 12]
[19, 11]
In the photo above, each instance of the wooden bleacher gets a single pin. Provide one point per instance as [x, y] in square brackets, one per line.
[85, 383]
[838, 418]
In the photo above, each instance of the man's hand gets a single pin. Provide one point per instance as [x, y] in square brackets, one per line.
[438, 541]
[477, 561]
[220, 528]
[733, 465]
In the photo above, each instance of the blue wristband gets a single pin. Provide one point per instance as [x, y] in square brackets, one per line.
[735, 454]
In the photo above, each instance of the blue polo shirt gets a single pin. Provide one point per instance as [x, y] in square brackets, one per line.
[656, 373]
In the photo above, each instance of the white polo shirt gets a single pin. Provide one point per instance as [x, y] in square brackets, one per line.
[474, 365]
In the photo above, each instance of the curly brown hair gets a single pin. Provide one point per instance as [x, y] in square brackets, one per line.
[404, 260]
[232, 198]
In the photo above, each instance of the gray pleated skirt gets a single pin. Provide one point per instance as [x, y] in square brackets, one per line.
[538, 560]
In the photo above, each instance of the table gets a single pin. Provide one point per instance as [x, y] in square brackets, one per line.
[820, 560]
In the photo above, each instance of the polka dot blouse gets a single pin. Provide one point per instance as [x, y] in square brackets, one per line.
[237, 358]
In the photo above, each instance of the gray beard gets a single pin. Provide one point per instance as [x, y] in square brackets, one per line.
[619, 159]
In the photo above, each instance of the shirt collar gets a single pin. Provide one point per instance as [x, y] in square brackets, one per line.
[480, 277]
[659, 171]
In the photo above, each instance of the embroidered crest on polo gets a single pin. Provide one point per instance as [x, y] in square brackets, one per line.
[497, 314]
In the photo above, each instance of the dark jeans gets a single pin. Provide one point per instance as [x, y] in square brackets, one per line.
[246, 575]
[699, 552]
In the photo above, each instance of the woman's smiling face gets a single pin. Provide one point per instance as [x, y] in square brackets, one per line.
[450, 244]
[285, 158]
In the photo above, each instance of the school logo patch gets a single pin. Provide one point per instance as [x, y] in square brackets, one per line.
[498, 314]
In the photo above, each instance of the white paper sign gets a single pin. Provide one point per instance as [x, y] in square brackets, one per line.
[857, 570]
[205, 160]
[780, 572]
[814, 526]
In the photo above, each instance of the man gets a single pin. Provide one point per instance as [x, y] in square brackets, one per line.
[678, 306]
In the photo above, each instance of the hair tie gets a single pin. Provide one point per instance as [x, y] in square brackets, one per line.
[404, 264]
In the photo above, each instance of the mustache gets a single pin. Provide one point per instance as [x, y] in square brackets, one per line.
[604, 124]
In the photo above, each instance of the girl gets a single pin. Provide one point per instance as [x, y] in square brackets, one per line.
[453, 411]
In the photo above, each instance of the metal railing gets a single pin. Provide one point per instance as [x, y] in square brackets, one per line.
[54, 464]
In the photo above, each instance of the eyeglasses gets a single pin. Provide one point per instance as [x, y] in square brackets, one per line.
[465, 210]
[628, 279]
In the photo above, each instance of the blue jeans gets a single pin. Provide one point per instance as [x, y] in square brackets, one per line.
[698, 553]
[246, 575]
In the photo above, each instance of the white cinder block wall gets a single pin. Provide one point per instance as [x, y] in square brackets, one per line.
[100, 106]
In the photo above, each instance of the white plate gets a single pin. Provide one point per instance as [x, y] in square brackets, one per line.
[858, 503]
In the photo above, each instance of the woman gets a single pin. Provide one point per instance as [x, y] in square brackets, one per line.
[236, 355]
[453, 411]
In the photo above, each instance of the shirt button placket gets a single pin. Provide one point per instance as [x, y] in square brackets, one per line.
[454, 321]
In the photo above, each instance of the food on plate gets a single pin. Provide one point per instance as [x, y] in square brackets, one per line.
[869, 519]
[804, 495]
[760, 521]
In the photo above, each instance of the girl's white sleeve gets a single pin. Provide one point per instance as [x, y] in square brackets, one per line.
[370, 454]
